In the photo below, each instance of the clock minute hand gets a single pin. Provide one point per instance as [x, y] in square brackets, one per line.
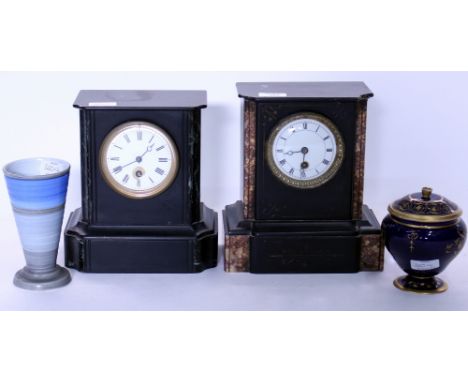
[304, 151]
[304, 164]
[128, 164]
[148, 149]
[138, 159]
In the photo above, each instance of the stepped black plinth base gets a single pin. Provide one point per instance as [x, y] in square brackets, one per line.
[301, 246]
[185, 249]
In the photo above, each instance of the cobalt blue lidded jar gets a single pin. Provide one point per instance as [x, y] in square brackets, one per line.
[423, 232]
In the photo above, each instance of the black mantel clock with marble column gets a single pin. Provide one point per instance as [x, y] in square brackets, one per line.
[302, 209]
[140, 175]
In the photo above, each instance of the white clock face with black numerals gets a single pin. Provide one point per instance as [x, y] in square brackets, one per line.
[138, 160]
[305, 150]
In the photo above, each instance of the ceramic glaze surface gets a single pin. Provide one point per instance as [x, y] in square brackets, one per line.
[37, 188]
[426, 207]
[39, 232]
[37, 194]
[36, 168]
[424, 233]
[420, 251]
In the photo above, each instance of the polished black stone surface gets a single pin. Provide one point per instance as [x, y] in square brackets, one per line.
[141, 99]
[303, 90]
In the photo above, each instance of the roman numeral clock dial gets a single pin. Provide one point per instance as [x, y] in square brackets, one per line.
[138, 160]
[305, 150]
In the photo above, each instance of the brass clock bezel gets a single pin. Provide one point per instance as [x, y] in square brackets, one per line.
[125, 191]
[310, 183]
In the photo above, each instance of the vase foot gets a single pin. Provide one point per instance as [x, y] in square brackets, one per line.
[27, 279]
[426, 285]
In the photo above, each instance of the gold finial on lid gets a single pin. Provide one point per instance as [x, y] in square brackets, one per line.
[426, 193]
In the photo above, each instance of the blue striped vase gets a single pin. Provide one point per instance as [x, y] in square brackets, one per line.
[37, 189]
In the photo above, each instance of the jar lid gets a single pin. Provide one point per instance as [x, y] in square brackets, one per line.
[425, 207]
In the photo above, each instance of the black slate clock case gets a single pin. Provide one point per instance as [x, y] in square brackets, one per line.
[171, 232]
[275, 200]
[178, 205]
[277, 228]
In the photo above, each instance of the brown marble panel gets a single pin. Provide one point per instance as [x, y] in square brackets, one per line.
[236, 253]
[359, 155]
[372, 253]
[250, 110]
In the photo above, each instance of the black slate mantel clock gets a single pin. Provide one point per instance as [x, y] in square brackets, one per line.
[140, 176]
[302, 209]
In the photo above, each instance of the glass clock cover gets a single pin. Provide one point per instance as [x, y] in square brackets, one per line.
[305, 150]
[138, 159]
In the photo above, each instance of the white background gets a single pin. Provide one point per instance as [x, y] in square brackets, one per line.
[416, 136]
[241, 35]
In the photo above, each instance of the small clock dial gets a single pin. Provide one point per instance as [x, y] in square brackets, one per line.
[305, 150]
[138, 159]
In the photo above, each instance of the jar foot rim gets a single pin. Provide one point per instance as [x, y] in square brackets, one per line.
[429, 285]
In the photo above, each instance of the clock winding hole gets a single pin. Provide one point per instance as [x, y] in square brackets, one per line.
[138, 172]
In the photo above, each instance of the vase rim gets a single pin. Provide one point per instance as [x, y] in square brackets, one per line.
[39, 168]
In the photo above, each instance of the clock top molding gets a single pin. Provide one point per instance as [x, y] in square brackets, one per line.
[141, 99]
[295, 91]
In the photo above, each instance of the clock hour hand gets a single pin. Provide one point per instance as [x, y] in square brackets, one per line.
[304, 151]
[291, 152]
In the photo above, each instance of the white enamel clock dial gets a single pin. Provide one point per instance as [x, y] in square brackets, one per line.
[138, 160]
[305, 150]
